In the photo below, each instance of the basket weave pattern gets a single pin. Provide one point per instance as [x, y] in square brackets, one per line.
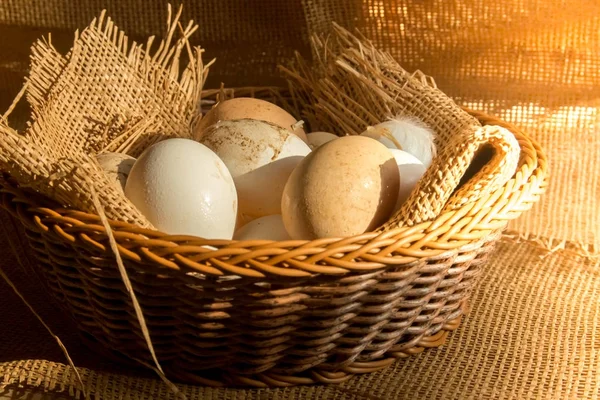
[251, 313]
[273, 313]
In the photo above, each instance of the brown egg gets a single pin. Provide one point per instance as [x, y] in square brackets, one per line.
[249, 108]
[345, 187]
[316, 139]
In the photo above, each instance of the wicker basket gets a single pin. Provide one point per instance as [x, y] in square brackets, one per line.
[261, 313]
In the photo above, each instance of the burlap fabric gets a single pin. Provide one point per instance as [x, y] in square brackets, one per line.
[531, 334]
[108, 93]
[532, 330]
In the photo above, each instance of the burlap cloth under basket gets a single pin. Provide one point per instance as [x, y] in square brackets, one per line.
[253, 313]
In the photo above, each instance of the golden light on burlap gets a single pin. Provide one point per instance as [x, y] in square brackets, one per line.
[531, 63]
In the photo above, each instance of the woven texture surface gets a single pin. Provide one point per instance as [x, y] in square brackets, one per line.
[532, 332]
[106, 94]
[532, 63]
[111, 94]
[253, 313]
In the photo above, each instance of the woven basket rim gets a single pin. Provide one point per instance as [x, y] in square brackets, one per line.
[448, 232]
[453, 241]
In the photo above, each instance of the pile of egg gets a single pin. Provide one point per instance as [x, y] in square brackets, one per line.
[251, 173]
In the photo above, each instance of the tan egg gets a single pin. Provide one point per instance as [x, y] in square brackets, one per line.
[241, 220]
[249, 108]
[316, 139]
[265, 228]
[117, 167]
[259, 191]
[345, 187]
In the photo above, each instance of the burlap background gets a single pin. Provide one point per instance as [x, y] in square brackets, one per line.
[533, 329]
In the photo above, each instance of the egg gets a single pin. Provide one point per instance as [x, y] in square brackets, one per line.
[246, 144]
[411, 170]
[241, 219]
[116, 166]
[260, 156]
[345, 187]
[249, 108]
[408, 134]
[260, 190]
[183, 188]
[316, 139]
[269, 227]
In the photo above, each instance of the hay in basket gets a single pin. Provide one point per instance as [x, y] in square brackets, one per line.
[252, 313]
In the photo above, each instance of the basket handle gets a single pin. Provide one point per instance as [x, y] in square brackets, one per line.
[501, 167]
[456, 176]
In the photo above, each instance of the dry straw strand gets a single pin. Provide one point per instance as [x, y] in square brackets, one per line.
[136, 305]
[352, 85]
[254, 313]
[39, 318]
[106, 94]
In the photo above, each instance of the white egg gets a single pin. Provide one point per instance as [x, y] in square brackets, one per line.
[316, 139]
[260, 190]
[411, 169]
[260, 156]
[117, 167]
[183, 188]
[265, 228]
[246, 144]
[408, 134]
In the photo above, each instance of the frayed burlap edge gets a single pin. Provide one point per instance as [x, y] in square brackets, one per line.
[77, 114]
[553, 245]
[351, 85]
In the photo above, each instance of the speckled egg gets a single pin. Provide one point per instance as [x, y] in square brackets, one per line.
[249, 108]
[246, 144]
[345, 187]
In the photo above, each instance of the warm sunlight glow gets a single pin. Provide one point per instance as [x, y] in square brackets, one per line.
[531, 114]
[377, 9]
